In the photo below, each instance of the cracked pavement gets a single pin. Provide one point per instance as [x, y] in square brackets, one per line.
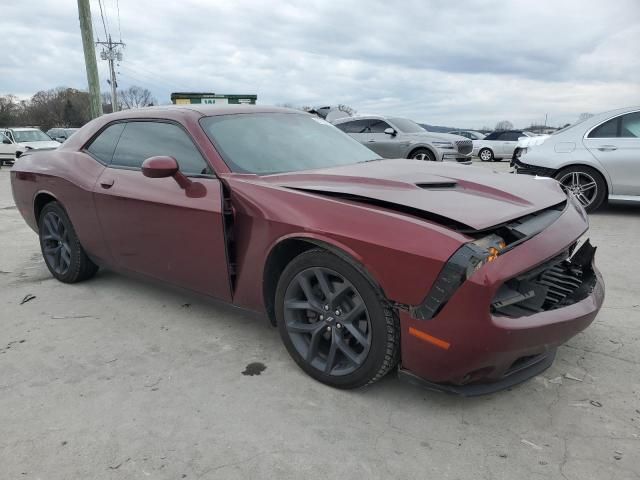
[115, 378]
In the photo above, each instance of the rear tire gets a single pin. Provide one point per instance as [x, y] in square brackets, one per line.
[61, 249]
[333, 322]
[586, 183]
[486, 155]
[423, 154]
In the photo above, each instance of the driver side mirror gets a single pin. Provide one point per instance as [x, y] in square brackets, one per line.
[390, 131]
[163, 167]
[6, 141]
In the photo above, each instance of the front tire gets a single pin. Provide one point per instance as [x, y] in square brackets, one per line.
[486, 155]
[586, 184]
[333, 322]
[61, 249]
[423, 154]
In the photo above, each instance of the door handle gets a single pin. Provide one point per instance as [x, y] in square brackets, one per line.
[107, 183]
[607, 148]
[371, 141]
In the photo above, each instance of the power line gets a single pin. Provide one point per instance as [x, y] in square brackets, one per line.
[119, 30]
[103, 22]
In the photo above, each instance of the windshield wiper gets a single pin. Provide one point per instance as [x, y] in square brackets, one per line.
[372, 160]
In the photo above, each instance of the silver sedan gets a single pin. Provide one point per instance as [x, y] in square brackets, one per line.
[597, 159]
[395, 137]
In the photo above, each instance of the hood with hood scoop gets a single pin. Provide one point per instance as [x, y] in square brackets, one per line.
[468, 197]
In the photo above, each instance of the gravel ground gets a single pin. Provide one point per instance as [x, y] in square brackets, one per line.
[114, 378]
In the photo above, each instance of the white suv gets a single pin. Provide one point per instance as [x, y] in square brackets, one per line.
[23, 139]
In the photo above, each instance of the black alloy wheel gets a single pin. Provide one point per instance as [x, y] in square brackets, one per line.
[61, 249]
[55, 243]
[333, 322]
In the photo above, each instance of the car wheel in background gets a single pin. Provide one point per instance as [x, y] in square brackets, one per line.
[333, 322]
[64, 256]
[586, 184]
[423, 154]
[486, 155]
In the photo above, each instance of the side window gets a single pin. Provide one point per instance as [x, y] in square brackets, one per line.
[378, 126]
[630, 126]
[358, 126]
[345, 127]
[608, 129]
[492, 136]
[141, 140]
[104, 144]
[511, 136]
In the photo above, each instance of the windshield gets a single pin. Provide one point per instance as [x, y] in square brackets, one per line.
[22, 136]
[265, 143]
[477, 135]
[406, 126]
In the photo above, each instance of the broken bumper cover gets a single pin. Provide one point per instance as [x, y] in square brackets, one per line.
[471, 348]
[521, 373]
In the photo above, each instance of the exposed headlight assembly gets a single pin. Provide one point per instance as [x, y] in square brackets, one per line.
[463, 263]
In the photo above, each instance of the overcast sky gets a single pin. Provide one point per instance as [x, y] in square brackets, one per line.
[458, 63]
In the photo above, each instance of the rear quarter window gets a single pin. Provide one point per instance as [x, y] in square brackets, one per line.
[103, 146]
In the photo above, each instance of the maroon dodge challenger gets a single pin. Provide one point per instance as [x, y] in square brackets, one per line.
[464, 279]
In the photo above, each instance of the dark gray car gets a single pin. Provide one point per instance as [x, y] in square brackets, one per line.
[395, 137]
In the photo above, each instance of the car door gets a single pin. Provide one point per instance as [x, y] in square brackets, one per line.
[616, 145]
[508, 142]
[385, 145]
[7, 148]
[152, 226]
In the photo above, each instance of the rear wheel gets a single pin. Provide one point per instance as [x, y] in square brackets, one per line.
[64, 256]
[333, 322]
[586, 184]
[486, 155]
[423, 154]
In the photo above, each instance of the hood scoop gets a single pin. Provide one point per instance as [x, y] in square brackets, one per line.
[436, 185]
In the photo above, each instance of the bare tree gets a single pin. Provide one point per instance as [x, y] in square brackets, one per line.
[135, 97]
[504, 125]
[350, 111]
[584, 116]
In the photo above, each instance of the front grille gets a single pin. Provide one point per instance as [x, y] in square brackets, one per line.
[464, 146]
[560, 282]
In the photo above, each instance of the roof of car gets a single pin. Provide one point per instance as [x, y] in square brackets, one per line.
[361, 117]
[202, 109]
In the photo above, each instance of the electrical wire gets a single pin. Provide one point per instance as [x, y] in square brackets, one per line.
[103, 22]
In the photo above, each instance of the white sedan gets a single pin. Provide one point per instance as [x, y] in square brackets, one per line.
[498, 145]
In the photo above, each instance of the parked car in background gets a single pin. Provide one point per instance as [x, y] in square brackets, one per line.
[61, 134]
[395, 137]
[470, 134]
[498, 145]
[597, 159]
[24, 139]
[467, 279]
[7, 150]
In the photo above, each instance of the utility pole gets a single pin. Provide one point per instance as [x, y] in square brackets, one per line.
[111, 52]
[86, 30]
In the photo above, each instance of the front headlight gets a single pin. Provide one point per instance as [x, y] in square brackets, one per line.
[444, 145]
[467, 260]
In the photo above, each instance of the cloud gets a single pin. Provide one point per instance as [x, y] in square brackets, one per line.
[466, 64]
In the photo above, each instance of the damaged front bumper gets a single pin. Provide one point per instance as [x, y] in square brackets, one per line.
[504, 324]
